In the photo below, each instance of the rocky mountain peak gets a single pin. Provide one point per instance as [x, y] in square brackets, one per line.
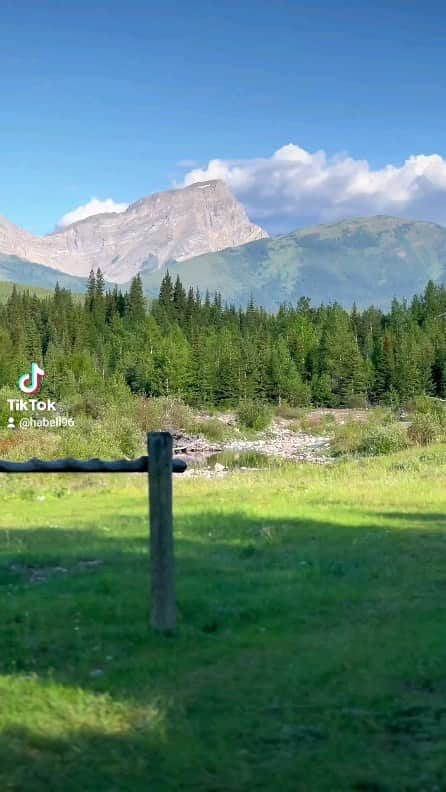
[168, 226]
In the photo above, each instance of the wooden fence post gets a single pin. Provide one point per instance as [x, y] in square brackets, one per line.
[162, 566]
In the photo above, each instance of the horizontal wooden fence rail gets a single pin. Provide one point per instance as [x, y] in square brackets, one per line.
[160, 465]
[140, 465]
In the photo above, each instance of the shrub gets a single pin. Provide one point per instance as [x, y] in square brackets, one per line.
[173, 415]
[384, 415]
[348, 437]
[301, 396]
[254, 415]
[386, 439]
[424, 429]
[233, 460]
[112, 438]
[163, 414]
[285, 410]
[427, 405]
[356, 400]
[211, 428]
[318, 423]
[22, 444]
[89, 405]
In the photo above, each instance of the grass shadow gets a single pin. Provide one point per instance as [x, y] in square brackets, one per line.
[289, 629]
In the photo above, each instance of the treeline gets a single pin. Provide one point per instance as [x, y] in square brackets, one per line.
[208, 353]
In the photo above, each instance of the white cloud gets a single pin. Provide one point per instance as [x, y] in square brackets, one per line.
[295, 187]
[93, 207]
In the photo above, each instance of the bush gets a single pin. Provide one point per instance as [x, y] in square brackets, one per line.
[233, 460]
[211, 428]
[385, 439]
[348, 437]
[427, 405]
[356, 400]
[96, 402]
[163, 414]
[254, 415]
[285, 410]
[301, 396]
[318, 423]
[114, 437]
[173, 415]
[424, 429]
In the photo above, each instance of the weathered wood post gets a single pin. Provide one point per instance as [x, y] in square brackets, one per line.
[162, 565]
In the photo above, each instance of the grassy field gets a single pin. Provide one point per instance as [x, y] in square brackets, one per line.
[311, 649]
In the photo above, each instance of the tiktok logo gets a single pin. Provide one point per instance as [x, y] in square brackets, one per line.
[31, 383]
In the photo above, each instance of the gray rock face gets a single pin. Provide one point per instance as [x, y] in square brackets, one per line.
[173, 225]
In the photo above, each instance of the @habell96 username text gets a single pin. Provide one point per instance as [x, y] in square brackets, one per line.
[29, 422]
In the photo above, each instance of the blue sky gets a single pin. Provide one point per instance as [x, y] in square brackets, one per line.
[104, 99]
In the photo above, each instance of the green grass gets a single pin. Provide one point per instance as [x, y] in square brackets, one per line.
[311, 648]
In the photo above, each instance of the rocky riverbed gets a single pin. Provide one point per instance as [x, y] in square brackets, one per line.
[279, 441]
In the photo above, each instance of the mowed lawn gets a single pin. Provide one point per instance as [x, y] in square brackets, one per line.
[311, 649]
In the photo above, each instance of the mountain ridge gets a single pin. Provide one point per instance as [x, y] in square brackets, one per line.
[175, 224]
[366, 260]
[28, 273]
[363, 260]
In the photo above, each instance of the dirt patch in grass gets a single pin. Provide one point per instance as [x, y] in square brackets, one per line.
[40, 574]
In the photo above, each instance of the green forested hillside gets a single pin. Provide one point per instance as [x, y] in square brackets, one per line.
[205, 353]
[365, 261]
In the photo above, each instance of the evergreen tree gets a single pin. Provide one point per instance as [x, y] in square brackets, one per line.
[100, 284]
[165, 298]
[179, 300]
[136, 301]
[91, 291]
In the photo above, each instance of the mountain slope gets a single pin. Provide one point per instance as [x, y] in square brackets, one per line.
[14, 269]
[176, 224]
[6, 288]
[366, 260]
